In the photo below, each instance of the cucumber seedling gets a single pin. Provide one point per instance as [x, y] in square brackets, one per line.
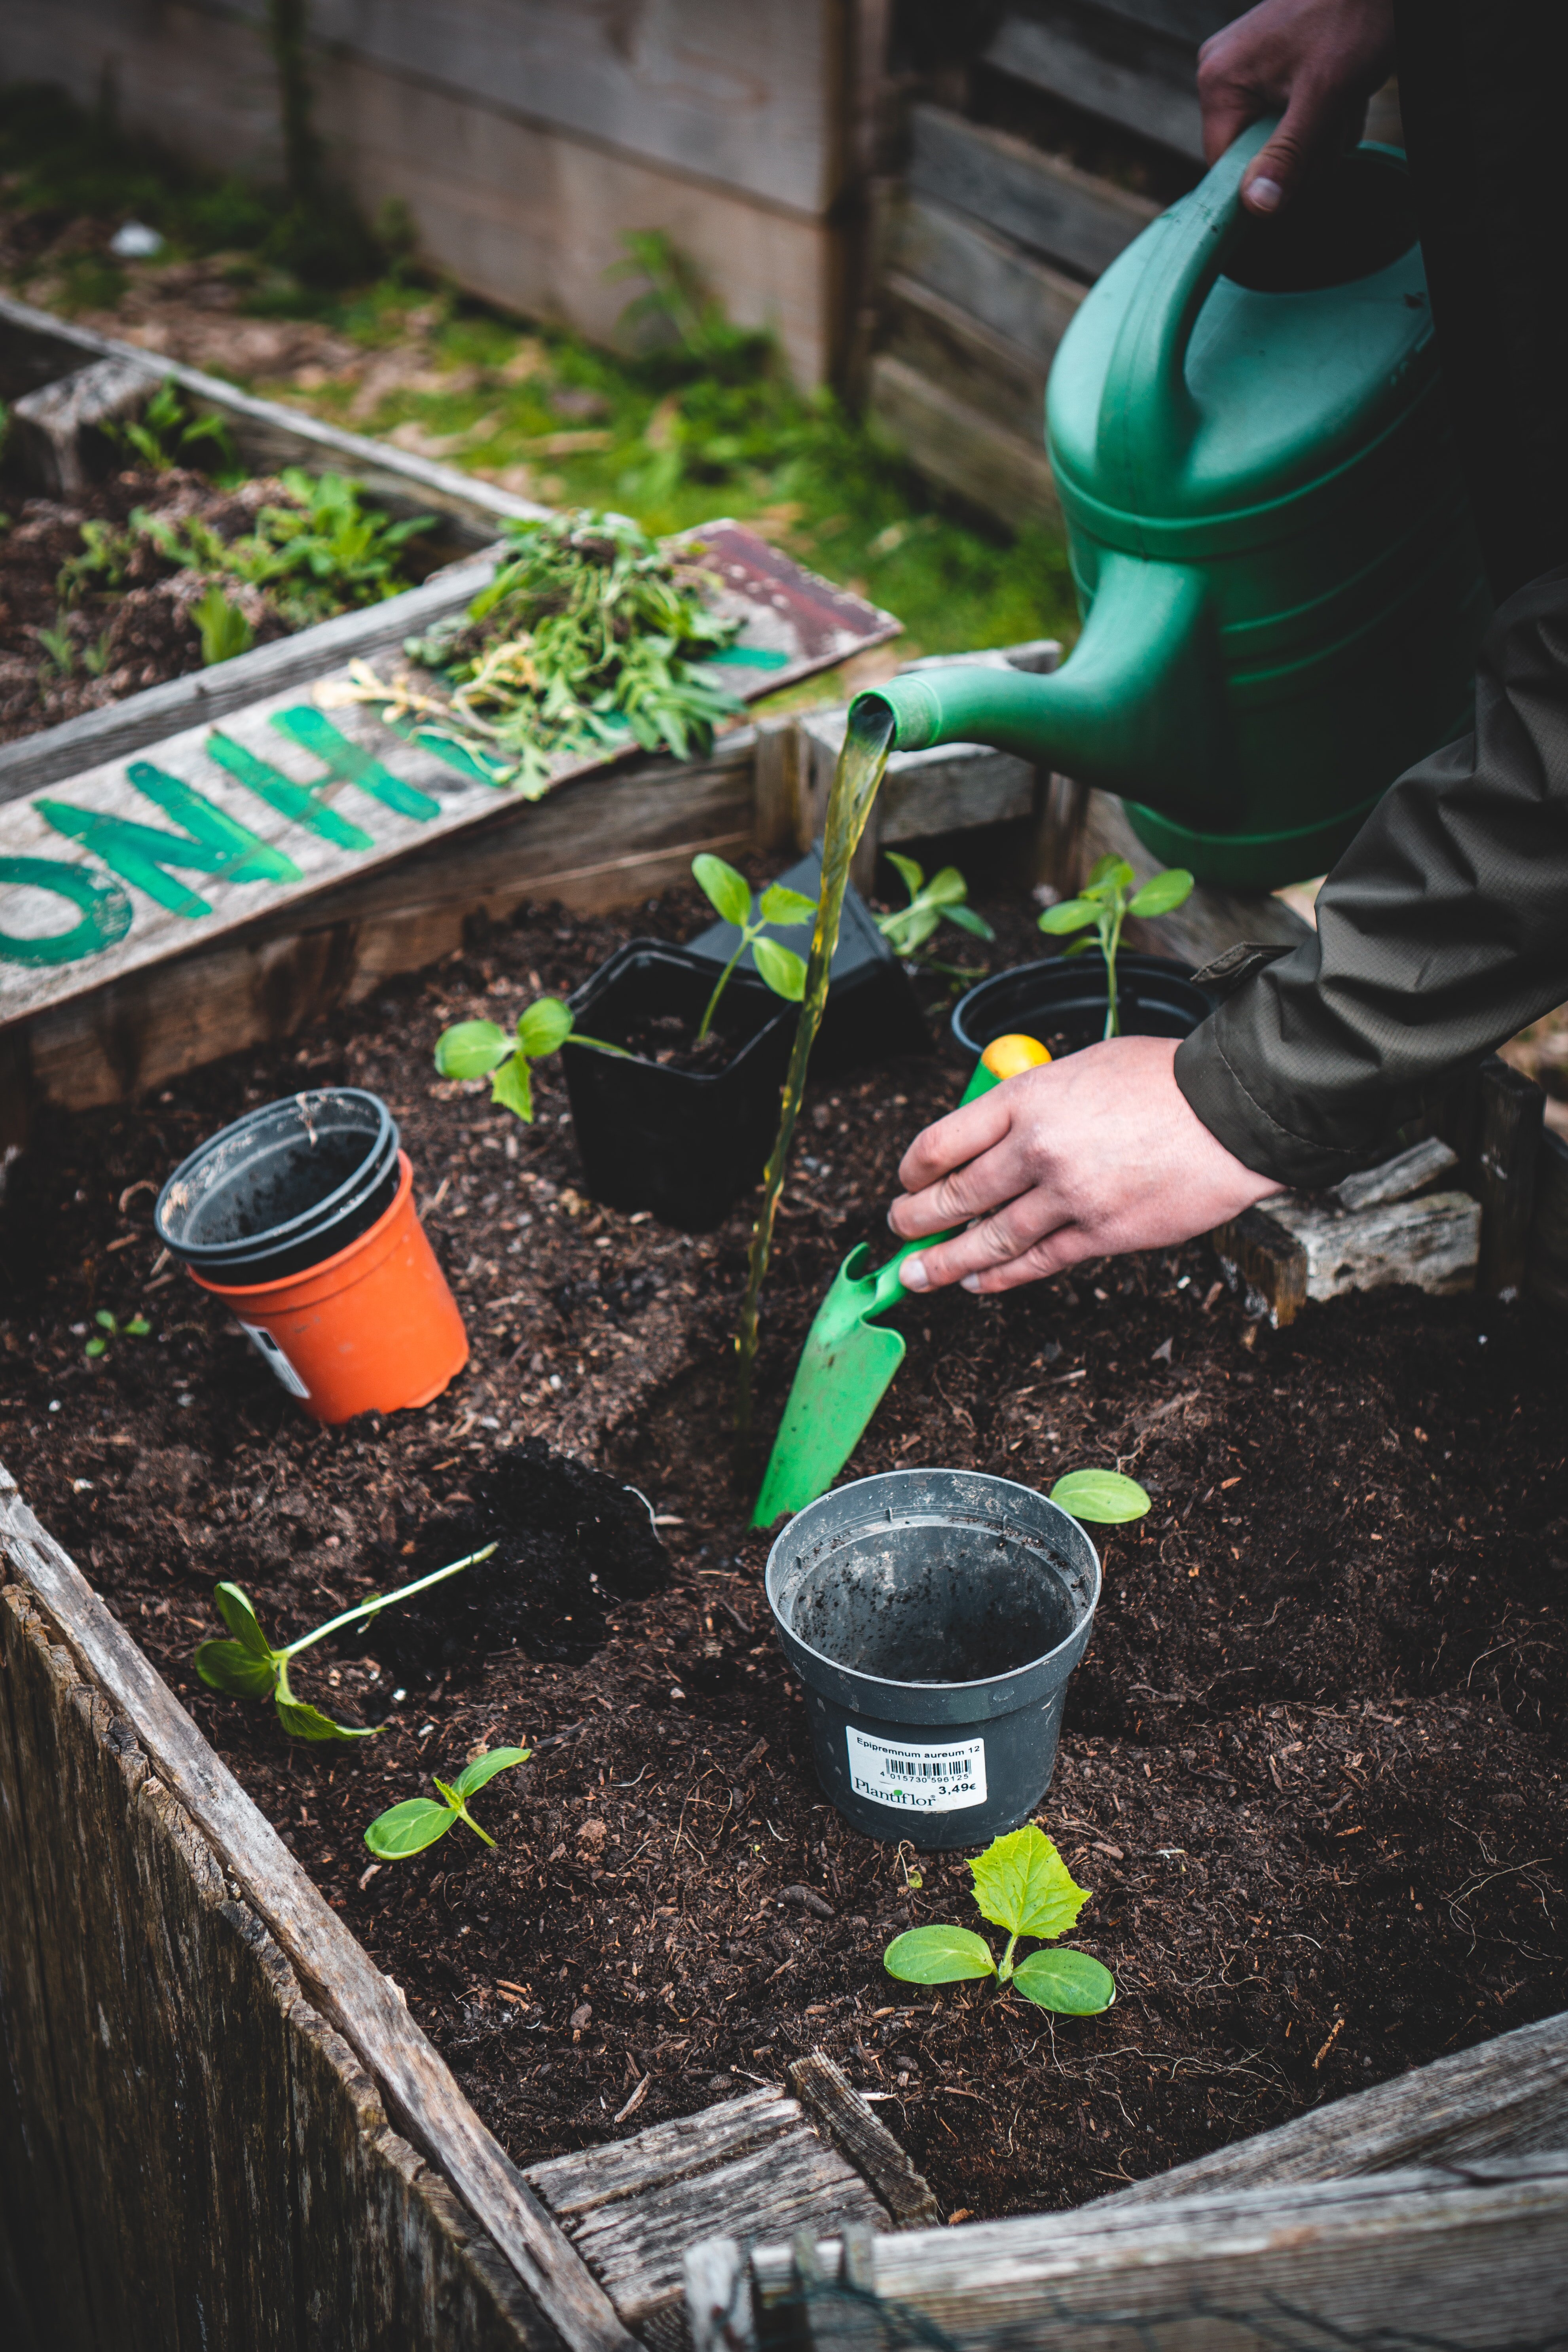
[1021, 1886]
[483, 1049]
[135, 1326]
[940, 900]
[779, 908]
[418, 1821]
[248, 1667]
[1103, 905]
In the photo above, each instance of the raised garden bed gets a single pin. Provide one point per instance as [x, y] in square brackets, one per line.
[1312, 1764]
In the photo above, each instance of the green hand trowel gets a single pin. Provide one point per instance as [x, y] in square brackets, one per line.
[848, 1361]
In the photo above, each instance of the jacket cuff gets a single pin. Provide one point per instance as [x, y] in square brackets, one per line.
[1216, 1091]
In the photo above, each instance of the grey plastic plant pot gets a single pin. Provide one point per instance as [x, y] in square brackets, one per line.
[933, 1617]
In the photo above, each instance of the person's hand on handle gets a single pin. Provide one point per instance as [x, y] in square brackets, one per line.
[1315, 61]
[1096, 1153]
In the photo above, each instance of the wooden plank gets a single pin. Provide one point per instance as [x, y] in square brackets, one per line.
[750, 98]
[1017, 191]
[1125, 73]
[953, 443]
[1505, 2097]
[1397, 1178]
[1432, 1243]
[243, 2185]
[1266, 1263]
[1026, 303]
[1512, 1108]
[793, 2181]
[1468, 2259]
[351, 1992]
[948, 348]
[864, 2138]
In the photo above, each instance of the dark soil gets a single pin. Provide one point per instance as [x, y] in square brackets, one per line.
[1313, 1763]
[124, 639]
[672, 1043]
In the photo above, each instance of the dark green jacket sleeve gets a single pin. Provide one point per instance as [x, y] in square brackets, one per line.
[1442, 931]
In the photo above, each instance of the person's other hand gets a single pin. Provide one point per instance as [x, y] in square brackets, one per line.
[1317, 61]
[1096, 1153]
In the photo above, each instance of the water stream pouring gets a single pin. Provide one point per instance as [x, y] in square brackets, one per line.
[1281, 587]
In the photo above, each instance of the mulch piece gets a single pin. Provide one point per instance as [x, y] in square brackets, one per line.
[1313, 1763]
[121, 639]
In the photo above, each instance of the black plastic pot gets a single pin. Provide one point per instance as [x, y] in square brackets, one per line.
[284, 1188]
[872, 1013]
[1158, 999]
[933, 1617]
[683, 1143]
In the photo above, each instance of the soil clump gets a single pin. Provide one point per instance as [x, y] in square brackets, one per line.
[1312, 1764]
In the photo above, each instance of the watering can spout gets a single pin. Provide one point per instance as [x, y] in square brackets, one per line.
[1139, 685]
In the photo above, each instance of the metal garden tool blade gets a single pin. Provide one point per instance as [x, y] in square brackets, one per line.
[843, 1371]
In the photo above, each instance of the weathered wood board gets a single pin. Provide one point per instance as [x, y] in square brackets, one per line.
[1019, 191]
[1134, 74]
[1472, 2257]
[1023, 303]
[955, 443]
[302, 790]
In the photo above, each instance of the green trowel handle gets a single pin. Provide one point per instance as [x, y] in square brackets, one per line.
[886, 1289]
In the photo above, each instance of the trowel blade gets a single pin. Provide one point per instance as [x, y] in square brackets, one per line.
[842, 1376]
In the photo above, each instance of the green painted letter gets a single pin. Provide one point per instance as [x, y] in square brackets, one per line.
[348, 764]
[105, 911]
[215, 842]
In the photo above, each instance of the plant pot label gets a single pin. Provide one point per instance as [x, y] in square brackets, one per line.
[271, 1354]
[917, 1779]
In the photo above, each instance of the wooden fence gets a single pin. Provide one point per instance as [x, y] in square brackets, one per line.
[527, 137]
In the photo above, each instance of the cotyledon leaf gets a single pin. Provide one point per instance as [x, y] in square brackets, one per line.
[230, 1667]
[940, 1954]
[1072, 1983]
[234, 1607]
[1103, 1495]
[408, 1828]
[485, 1767]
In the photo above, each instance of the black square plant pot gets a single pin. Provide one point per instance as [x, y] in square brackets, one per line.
[872, 1013]
[683, 1143]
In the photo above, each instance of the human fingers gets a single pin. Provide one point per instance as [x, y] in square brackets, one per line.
[1317, 61]
[962, 1136]
[1019, 1226]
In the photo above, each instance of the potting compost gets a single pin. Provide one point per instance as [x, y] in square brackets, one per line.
[1312, 1764]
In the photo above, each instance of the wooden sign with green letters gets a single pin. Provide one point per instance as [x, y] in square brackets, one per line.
[128, 863]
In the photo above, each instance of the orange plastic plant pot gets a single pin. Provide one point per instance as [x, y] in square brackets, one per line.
[372, 1330]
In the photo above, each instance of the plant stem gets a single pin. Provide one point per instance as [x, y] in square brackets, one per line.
[745, 942]
[374, 1608]
[860, 767]
[1004, 1972]
[463, 1815]
[1110, 940]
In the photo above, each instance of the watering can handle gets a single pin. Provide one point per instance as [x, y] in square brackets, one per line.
[1148, 416]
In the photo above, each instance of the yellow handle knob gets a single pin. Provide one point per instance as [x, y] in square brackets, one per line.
[1005, 1057]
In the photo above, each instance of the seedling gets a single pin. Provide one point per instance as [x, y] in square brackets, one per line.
[1021, 1885]
[223, 628]
[249, 1667]
[483, 1049]
[730, 894]
[110, 1328]
[942, 900]
[1103, 905]
[1104, 1497]
[166, 433]
[418, 1821]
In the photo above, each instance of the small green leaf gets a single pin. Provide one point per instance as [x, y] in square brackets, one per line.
[729, 893]
[916, 925]
[1164, 893]
[544, 1027]
[947, 888]
[1071, 1983]
[234, 1607]
[1103, 1495]
[485, 1767]
[1110, 872]
[968, 920]
[1080, 947]
[912, 875]
[94, 1347]
[1022, 1885]
[785, 907]
[1070, 916]
[471, 1049]
[303, 1722]
[138, 1327]
[512, 1086]
[783, 971]
[105, 1320]
[408, 1828]
[939, 1956]
[238, 1673]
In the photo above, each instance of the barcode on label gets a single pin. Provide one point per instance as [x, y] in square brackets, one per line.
[918, 1780]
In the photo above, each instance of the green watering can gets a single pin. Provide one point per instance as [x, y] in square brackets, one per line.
[1281, 588]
